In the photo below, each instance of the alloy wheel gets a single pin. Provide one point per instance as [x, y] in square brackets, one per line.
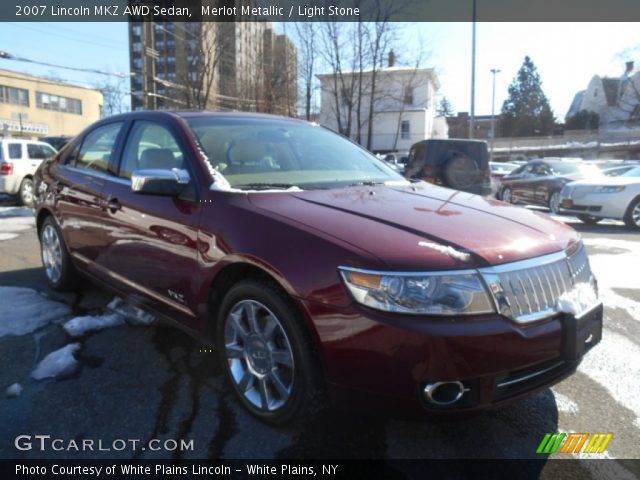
[554, 202]
[51, 253]
[506, 195]
[26, 193]
[635, 214]
[259, 355]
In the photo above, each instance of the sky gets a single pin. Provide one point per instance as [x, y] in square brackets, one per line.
[567, 55]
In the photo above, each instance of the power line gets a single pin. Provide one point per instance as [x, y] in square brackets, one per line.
[56, 34]
[9, 56]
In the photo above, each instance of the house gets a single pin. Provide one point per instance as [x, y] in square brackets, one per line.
[615, 99]
[404, 106]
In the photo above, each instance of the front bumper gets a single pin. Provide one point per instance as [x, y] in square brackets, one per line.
[376, 361]
[598, 205]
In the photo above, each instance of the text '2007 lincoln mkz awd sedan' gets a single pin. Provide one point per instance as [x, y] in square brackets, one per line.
[320, 273]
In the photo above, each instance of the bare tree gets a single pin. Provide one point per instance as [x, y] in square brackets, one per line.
[114, 91]
[306, 36]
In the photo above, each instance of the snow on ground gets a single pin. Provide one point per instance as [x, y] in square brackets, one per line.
[565, 404]
[615, 364]
[23, 310]
[78, 326]
[59, 363]
[13, 390]
[14, 220]
[132, 314]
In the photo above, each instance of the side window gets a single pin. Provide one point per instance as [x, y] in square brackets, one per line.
[97, 148]
[150, 146]
[15, 151]
[39, 152]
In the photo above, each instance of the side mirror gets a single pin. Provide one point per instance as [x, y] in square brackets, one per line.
[159, 182]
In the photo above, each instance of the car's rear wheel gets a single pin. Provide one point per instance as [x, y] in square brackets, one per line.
[632, 216]
[554, 202]
[589, 219]
[507, 195]
[26, 193]
[58, 269]
[267, 353]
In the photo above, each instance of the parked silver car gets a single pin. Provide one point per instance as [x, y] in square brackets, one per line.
[605, 197]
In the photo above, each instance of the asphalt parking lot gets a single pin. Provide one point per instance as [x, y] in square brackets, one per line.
[143, 382]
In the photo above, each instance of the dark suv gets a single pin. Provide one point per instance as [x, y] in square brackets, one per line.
[317, 271]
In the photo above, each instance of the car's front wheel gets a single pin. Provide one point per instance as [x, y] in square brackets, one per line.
[507, 195]
[632, 216]
[554, 202]
[267, 353]
[60, 272]
[25, 194]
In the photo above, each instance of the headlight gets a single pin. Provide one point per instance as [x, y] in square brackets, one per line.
[438, 293]
[609, 189]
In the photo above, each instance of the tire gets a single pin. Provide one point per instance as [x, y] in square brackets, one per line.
[26, 193]
[507, 195]
[554, 202]
[59, 271]
[460, 172]
[589, 219]
[632, 216]
[269, 362]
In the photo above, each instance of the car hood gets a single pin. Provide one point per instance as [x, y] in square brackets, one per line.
[422, 226]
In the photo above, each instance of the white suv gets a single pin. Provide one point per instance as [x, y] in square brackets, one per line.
[19, 160]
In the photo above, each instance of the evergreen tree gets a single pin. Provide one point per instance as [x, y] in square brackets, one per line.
[583, 120]
[526, 112]
[445, 109]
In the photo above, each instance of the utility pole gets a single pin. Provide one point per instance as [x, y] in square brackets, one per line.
[473, 74]
[493, 110]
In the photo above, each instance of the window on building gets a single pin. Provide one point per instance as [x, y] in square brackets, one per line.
[408, 96]
[15, 96]
[405, 129]
[136, 30]
[47, 101]
[97, 148]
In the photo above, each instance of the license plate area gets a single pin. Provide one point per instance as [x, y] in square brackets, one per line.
[566, 203]
[582, 333]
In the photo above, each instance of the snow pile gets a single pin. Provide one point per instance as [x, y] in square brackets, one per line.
[578, 300]
[78, 326]
[565, 404]
[13, 391]
[133, 315]
[119, 312]
[59, 363]
[23, 310]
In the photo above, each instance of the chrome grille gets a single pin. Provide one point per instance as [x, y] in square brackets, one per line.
[529, 290]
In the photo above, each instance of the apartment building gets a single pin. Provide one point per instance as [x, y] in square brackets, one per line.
[212, 65]
[32, 106]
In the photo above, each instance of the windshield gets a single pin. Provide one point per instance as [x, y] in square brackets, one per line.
[634, 172]
[503, 167]
[269, 153]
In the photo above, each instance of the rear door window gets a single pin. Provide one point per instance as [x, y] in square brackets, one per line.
[15, 151]
[38, 151]
[98, 147]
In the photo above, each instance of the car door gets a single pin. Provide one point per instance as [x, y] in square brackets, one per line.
[541, 186]
[516, 182]
[153, 238]
[77, 192]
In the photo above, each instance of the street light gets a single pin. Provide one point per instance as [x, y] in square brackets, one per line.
[472, 117]
[495, 71]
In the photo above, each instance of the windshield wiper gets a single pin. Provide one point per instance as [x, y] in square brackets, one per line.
[368, 183]
[265, 186]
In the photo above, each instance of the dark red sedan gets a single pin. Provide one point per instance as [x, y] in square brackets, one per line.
[318, 271]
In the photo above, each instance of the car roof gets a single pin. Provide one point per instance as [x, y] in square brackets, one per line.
[23, 140]
[198, 114]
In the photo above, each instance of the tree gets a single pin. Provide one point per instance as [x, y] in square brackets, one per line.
[445, 109]
[307, 36]
[583, 120]
[114, 93]
[526, 111]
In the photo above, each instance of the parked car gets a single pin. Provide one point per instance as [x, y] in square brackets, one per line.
[319, 273]
[57, 142]
[19, 160]
[539, 182]
[615, 197]
[617, 171]
[397, 160]
[458, 164]
[499, 170]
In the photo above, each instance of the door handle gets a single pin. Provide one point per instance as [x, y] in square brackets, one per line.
[111, 204]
